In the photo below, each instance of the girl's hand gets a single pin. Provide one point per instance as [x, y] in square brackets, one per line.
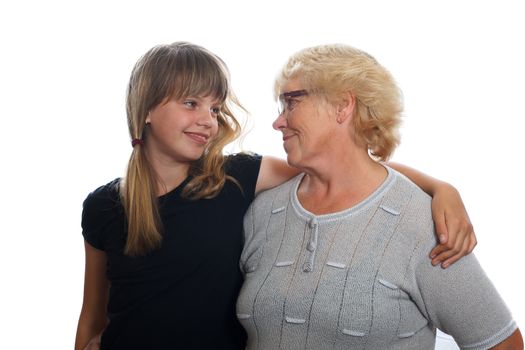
[453, 227]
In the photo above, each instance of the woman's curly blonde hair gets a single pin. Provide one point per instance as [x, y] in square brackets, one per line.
[332, 70]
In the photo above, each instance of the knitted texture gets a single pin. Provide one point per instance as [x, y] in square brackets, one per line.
[360, 278]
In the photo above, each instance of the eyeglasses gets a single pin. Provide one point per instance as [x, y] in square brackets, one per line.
[287, 101]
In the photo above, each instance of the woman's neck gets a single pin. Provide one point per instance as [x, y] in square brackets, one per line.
[340, 185]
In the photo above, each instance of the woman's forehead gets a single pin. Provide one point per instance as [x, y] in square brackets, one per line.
[290, 85]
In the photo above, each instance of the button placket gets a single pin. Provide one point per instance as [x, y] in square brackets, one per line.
[311, 246]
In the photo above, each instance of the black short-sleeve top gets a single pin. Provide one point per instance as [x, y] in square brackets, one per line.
[182, 295]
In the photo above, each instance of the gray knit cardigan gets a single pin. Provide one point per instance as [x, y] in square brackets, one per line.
[360, 278]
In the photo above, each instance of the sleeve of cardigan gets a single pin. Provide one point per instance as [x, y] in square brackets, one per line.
[461, 300]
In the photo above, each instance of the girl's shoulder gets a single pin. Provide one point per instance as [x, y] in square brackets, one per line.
[101, 209]
[244, 168]
[242, 159]
[107, 194]
[240, 164]
[103, 204]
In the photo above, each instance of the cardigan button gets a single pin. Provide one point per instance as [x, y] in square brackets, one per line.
[310, 246]
[307, 267]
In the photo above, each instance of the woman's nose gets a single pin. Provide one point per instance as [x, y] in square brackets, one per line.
[280, 122]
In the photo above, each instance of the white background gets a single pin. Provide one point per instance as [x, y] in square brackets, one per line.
[64, 67]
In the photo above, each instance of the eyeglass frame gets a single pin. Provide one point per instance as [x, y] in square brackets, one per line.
[281, 100]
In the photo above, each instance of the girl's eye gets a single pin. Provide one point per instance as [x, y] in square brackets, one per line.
[216, 111]
[191, 104]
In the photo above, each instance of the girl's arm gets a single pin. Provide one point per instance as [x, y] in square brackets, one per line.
[453, 226]
[273, 172]
[93, 320]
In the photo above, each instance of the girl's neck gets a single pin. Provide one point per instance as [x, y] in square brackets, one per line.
[170, 178]
[169, 173]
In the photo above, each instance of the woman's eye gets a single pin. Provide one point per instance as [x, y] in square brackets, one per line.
[290, 104]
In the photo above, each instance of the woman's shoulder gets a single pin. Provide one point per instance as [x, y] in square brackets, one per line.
[404, 187]
[413, 209]
[278, 195]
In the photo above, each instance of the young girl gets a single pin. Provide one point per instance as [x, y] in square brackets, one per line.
[163, 243]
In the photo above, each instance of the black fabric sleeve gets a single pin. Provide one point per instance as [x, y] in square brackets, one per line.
[244, 167]
[100, 210]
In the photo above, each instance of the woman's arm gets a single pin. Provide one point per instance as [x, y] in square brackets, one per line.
[453, 226]
[93, 318]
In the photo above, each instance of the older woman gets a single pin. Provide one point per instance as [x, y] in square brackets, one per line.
[336, 258]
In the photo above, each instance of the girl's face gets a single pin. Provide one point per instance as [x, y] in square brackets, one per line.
[180, 130]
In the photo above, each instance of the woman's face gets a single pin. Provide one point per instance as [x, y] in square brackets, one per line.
[180, 130]
[306, 124]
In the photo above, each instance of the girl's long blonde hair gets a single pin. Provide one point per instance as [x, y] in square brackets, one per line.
[177, 71]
